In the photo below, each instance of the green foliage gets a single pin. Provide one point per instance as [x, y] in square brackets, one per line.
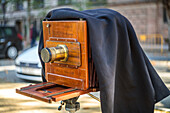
[79, 5]
[64, 2]
[82, 4]
[38, 4]
[15, 1]
[97, 2]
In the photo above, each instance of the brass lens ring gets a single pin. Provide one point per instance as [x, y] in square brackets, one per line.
[46, 55]
[65, 51]
[58, 53]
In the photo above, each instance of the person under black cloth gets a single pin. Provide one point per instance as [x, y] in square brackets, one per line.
[128, 82]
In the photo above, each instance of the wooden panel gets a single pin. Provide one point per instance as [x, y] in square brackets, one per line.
[60, 32]
[49, 92]
[65, 29]
[63, 39]
[78, 83]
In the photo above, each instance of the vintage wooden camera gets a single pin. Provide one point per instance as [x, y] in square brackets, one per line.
[69, 66]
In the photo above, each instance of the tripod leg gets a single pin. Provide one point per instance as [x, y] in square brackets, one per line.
[71, 105]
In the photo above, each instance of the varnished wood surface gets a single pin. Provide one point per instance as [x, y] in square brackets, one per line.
[62, 32]
[65, 79]
[43, 92]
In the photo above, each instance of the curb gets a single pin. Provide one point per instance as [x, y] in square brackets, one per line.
[160, 63]
[161, 110]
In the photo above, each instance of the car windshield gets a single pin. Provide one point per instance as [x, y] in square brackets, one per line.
[8, 31]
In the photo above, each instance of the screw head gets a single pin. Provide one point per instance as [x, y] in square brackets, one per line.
[48, 25]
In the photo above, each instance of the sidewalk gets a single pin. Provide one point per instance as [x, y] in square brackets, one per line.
[163, 69]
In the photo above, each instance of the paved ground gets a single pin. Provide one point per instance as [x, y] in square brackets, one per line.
[163, 69]
[10, 102]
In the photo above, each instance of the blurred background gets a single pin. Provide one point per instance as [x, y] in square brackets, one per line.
[20, 26]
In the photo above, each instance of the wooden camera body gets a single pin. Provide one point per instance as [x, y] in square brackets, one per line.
[66, 55]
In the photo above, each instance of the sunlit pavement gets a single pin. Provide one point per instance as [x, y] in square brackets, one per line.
[11, 102]
[163, 69]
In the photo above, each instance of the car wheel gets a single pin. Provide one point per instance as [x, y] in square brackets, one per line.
[12, 52]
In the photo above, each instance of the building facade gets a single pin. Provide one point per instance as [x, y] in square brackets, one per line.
[17, 13]
[146, 16]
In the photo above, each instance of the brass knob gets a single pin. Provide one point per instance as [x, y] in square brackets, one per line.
[58, 53]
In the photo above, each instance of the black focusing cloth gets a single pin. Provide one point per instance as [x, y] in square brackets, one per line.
[127, 81]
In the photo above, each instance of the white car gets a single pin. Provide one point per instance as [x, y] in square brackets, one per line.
[28, 65]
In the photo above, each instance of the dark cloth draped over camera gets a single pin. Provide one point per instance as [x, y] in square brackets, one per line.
[127, 81]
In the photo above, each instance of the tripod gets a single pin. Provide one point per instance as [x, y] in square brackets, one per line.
[71, 105]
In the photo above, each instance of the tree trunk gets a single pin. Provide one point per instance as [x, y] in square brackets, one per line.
[3, 5]
[169, 32]
[166, 4]
[168, 19]
[28, 23]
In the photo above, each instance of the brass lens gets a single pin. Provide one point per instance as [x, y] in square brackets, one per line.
[59, 53]
[46, 55]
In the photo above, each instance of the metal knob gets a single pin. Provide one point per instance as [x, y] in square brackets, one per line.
[58, 53]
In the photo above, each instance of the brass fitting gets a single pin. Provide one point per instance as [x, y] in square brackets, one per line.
[58, 53]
